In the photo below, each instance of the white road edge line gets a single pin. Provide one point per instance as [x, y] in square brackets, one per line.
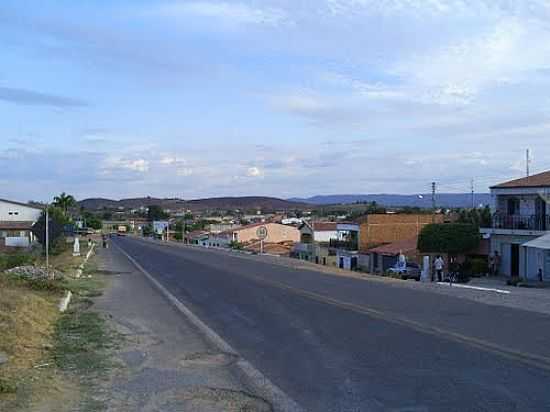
[457, 285]
[268, 390]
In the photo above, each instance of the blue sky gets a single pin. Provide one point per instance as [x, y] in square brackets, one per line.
[273, 97]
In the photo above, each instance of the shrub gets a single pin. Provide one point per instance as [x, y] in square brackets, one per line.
[9, 261]
[514, 281]
[479, 266]
[451, 238]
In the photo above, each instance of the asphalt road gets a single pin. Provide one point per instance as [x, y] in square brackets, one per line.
[341, 344]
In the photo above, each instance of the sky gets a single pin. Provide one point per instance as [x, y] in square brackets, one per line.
[281, 98]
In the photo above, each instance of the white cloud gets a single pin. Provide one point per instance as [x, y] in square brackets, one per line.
[114, 163]
[184, 171]
[172, 160]
[254, 172]
[229, 12]
[301, 103]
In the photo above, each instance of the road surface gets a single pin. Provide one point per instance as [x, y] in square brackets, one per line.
[333, 343]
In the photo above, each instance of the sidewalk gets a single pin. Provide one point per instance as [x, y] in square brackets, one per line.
[165, 362]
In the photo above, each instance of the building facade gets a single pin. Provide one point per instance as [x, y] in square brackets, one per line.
[521, 216]
[16, 221]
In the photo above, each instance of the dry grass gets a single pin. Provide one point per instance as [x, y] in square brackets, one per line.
[27, 320]
[30, 327]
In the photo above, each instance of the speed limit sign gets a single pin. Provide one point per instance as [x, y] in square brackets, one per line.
[261, 232]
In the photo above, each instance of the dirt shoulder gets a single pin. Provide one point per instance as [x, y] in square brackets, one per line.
[51, 357]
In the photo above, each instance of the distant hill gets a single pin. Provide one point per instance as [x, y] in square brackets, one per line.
[221, 203]
[449, 200]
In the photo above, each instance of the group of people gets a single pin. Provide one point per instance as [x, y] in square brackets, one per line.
[439, 266]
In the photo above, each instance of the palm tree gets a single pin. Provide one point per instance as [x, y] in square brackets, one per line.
[64, 201]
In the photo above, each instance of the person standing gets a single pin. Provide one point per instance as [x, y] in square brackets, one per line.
[439, 264]
[496, 263]
[492, 265]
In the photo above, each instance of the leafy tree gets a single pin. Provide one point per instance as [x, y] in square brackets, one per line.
[57, 219]
[94, 222]
[64, 202]
[155, 212]
[450, 238]
[147, 230]
[478, 217]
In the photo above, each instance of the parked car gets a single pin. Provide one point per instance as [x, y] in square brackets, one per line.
[410, 271]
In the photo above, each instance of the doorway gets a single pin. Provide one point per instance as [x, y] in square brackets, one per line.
[514, 260]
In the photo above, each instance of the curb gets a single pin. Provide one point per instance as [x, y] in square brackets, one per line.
[269, 391]
[64, 304]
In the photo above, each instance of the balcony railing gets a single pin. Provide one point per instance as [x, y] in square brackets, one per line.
[521, 222]
[343, 244]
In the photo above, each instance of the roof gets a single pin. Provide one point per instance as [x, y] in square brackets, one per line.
[16, 225]
[321, 226]
[538, 180]
[21, 204]
[542, 242]
[393, 249]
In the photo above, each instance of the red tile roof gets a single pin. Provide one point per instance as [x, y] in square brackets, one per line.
[15, 225]
[393, 249]
[538, 180]
[324, 226]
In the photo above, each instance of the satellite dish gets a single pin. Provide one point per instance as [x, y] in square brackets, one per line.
[420, 197]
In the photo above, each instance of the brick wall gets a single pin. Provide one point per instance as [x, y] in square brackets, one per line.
[387, 228]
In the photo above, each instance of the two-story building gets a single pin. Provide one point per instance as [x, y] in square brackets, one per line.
[520, 230]
[16, 221]
[329, 243]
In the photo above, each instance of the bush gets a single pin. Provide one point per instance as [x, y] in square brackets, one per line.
[9, 261]
[451, 238]
[514, 281]
[479, 266]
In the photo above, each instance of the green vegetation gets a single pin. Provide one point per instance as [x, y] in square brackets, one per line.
[64, 202]
[155, 212]
[480, 217]
[451, 238]
[8, 261]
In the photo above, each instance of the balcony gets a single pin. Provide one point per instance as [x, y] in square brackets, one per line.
[521, 222]
[343, 244]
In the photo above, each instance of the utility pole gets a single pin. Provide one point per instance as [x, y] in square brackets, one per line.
[527, 161]
[473, 193]
[433, 201]
[47, 242]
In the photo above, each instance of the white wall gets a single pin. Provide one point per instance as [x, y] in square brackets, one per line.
[10, 212]
[325, 235]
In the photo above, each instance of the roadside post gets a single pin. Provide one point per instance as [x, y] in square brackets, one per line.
[261, 232]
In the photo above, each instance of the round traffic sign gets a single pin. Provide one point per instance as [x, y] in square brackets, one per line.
[261, 232]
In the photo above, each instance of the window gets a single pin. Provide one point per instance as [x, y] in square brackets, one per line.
[513, 206]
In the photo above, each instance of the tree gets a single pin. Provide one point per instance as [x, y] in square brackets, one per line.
[155, 212]
[478, 217]
[450, 238]
[57, 220]
[64, 202]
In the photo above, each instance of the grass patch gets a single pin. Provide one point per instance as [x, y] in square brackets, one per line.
[82, 342]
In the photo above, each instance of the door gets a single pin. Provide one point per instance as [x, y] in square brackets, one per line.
[514, 260]
[341, 266]
[540, 214]
[546, 270]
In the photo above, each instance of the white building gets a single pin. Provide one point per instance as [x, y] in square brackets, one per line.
[521, 215]
[16, 221]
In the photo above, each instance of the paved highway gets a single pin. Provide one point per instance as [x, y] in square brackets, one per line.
[334, 343]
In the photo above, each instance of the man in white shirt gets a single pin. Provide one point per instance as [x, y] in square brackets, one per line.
[439, 264]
